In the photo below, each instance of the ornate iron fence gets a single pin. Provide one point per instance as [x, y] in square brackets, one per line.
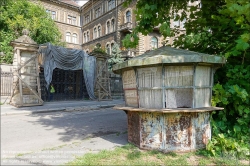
[68, 84]
[6, 83]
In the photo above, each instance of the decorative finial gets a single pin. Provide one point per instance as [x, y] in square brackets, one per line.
[25, 32]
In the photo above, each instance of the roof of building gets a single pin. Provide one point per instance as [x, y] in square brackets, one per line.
[169, 55]
[70, 2]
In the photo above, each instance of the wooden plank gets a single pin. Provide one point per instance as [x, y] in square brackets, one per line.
[32, 58]
[38, 79]
[105, 90]
[202, 109]
[18, 75]
[27, 74]
[31, 89]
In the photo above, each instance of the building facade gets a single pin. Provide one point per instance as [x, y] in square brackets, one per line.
[101, 23]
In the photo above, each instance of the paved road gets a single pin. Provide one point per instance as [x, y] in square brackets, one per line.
[25, 133]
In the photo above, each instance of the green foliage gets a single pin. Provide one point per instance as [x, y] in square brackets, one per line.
[219, 27]
[22, 14]
[5, 39]
[99, 50]
[131, 40]
[222, 145]
[115, 56]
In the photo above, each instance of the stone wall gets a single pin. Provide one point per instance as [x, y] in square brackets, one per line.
[62, 11]
[118, 13]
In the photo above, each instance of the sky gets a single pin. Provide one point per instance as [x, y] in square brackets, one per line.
[81, 2]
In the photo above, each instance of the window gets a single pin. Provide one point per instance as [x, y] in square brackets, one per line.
[113, 25]
[107, 49]
[108, 27]
[69, 19]
[154, 42]
[74, 20]
[87, 36]
[112, 46]
[52, 13]
[68, 37]
[74, 38]
[111, 4]
[95, 33]
[97, 12]
[128, 16]
[99, 31]
[87, 19]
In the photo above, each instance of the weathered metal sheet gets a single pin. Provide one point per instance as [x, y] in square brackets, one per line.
[129, 86]
[179, 98]
[169, 55]
[202, 97]
[179, 132]
[178, 76]
[148, 78]
[202, 77]
[131, 97]
[151, 130]
[133, 128]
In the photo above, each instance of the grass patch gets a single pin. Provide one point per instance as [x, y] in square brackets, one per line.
[131, 155]
[55, 148]
[22, 154]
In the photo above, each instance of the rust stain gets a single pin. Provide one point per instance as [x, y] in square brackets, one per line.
[133, 128]
[205, 137]
[169, 132]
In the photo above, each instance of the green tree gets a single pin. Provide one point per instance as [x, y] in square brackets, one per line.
[115, 56]
[22, 14]
[220, 27]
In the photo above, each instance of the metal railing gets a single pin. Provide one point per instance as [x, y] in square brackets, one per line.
[6, 83]
[126, 26]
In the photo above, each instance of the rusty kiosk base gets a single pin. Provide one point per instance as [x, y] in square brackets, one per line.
[168, 130]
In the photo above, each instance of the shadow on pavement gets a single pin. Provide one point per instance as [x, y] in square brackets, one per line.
[81, 125]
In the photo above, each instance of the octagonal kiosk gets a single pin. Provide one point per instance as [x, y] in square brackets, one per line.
[168, 98]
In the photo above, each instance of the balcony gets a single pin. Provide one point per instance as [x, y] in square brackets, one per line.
[126, 26]
[129, 53]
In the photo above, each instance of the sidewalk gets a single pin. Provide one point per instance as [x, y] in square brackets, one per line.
[7, 109]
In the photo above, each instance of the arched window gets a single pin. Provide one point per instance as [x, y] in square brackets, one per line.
[112, 46]
[107, 49]
[87, 36]
[74, 38]
[154, 42]
[98, 45]
[95, 33]
[68, 37]
[99, 31]
[128, 16]
[113, 25]
[108, 27]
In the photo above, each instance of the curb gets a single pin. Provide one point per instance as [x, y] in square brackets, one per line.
[66, 109]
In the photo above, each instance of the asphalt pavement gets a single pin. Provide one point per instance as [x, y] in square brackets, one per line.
[58, 137]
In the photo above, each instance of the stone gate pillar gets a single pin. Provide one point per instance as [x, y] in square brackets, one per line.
[26, 81]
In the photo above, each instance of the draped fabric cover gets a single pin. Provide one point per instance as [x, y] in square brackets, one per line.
[68, 59]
